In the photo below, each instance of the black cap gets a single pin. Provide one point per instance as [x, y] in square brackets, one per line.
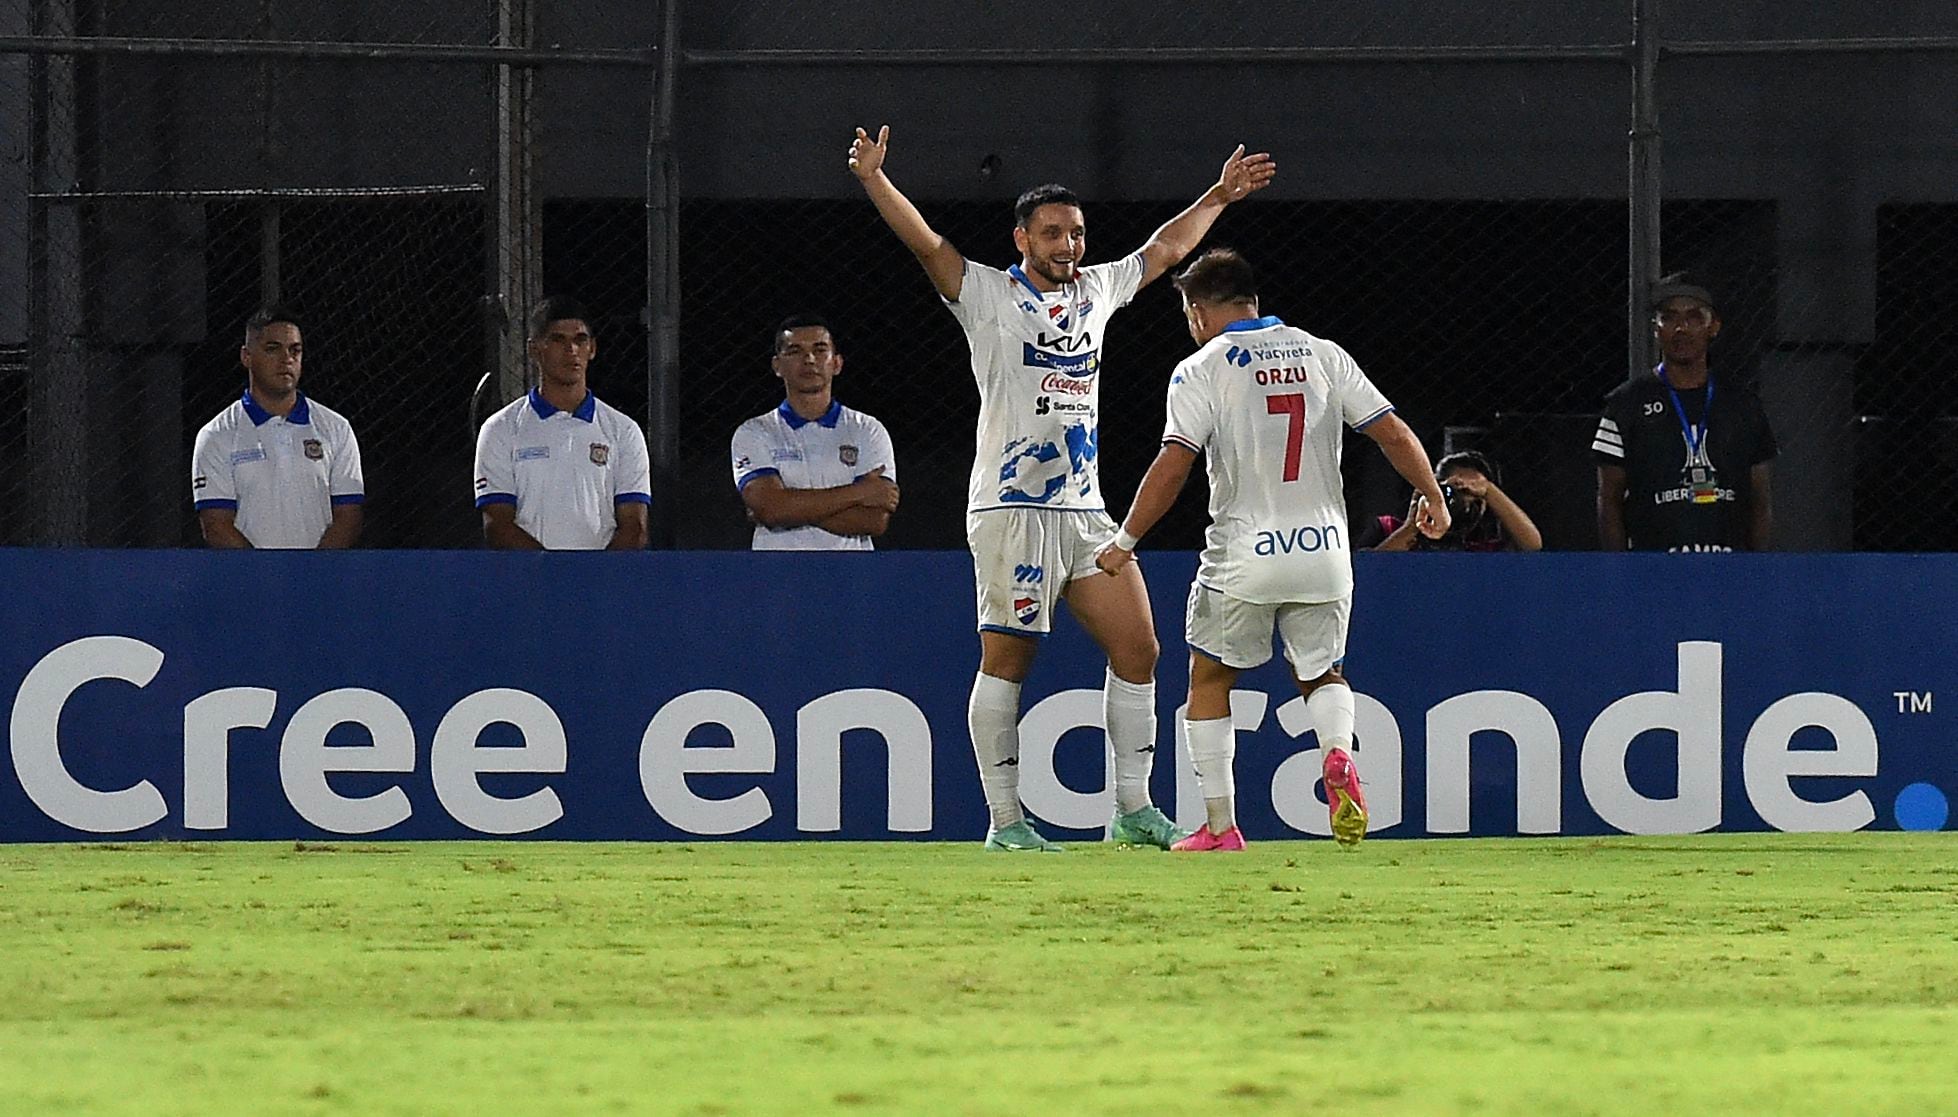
[1678, 286]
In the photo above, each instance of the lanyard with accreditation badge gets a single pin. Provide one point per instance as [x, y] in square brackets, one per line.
[1699, 469]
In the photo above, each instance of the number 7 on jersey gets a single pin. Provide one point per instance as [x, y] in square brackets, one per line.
[1292, 406]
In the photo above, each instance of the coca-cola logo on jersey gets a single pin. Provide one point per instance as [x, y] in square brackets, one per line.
[1066, 385]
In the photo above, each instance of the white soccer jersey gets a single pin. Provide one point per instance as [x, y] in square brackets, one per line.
[833, 450]
[283, 475]
[1267, 405]
[566, 471]
[1037, 358]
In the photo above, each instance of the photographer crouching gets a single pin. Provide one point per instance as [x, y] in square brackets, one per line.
[1484, 517]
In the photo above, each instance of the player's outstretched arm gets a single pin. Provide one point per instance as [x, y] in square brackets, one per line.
[941, 261]
[1404, 451]
[1242, 176]
[1160, 486]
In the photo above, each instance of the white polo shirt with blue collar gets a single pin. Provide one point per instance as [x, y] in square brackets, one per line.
[566, 471]
[281, 474]
[835, 449]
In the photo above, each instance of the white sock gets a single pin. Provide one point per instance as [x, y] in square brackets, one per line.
[1129, 711]
[1213, 745]
[993, 716]
[1331, 711]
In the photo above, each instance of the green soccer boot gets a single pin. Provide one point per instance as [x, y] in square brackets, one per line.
[1146, 827]
[1020, 837]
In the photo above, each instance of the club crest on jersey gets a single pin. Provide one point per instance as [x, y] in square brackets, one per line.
[314, 451]
[600, 453]
[1059, 316]
[1027, 609]
[847, 455]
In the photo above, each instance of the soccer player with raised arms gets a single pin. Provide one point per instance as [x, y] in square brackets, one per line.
[1034, 514]
[1267, 405]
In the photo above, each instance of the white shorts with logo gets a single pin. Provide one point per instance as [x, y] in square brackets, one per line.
[1023, 558]
[1238, 633]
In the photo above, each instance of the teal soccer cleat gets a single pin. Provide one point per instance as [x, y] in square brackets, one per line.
[1020, 837]
[1146, 827]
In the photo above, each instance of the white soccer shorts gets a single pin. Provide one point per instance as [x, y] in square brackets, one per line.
[1238, 633]
[1023, 558]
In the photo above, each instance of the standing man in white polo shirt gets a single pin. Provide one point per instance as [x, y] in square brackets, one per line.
[276, 469]
[814, 474]
[558, 469]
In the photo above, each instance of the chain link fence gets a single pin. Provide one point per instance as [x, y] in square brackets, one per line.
[166, 170]
[1453, 207]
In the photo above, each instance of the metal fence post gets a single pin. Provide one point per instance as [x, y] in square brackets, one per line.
[515, 264]
[1645, 187]
[57, 363]
[663, 282]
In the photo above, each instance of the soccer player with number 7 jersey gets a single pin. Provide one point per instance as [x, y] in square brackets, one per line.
[1267, 405]
[1034, 516]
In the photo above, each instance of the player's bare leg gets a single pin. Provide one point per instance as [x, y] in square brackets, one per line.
[1213, 749]
[1329, 704]
[993, 716]
[1114, 609]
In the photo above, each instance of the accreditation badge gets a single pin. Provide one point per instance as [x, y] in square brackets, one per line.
[1700, 481]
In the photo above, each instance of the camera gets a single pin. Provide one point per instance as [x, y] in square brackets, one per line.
[1458, 503]
[1468, 523]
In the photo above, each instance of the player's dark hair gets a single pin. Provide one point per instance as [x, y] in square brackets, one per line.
[1046, 194]
[1219, 276]
[800, 322]
[266, 315]
[559, 308]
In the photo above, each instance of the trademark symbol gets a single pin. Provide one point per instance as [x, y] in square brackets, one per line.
[1912, 702]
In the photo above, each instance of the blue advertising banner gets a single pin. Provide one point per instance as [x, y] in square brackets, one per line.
[771, 696]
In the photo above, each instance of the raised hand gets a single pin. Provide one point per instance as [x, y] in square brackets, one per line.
[867, 155]
[1243, 174]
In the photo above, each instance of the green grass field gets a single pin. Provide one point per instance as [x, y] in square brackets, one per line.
[1759, 974]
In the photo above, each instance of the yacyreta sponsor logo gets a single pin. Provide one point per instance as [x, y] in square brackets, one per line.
[1687, 719]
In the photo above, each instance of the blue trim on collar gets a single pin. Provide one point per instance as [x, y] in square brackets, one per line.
[1243, 324]
[796, 422]
[587, 408]
[301, 414]
[1020, 277]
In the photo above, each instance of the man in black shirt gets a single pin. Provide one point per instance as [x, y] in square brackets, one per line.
[1684, 459]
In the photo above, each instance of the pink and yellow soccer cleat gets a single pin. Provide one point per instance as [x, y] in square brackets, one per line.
[1203, 841]
[1344, 800]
